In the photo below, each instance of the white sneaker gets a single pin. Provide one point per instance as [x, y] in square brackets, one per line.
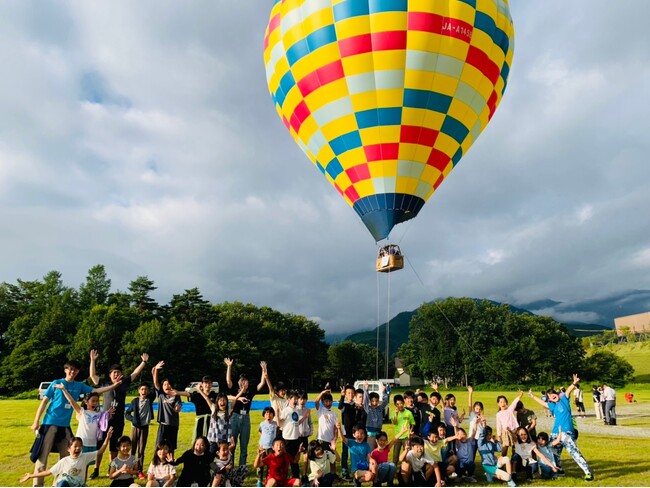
[453, 475]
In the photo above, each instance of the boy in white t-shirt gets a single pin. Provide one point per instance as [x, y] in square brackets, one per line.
[326, 421]
[417, 468]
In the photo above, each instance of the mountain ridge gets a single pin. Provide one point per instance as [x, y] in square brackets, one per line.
[582, 317]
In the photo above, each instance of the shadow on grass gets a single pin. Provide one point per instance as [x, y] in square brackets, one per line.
[609, 472]
[618, 469]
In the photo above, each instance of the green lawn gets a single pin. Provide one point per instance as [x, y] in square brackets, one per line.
[637, 353]
[617, 461]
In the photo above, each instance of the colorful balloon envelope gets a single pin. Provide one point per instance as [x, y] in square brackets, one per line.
[386, 96]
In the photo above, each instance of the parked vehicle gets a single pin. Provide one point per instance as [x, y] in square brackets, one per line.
[376, 387]
[192, 387]
[41, 389]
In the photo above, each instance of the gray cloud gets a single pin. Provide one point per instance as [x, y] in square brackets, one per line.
[142, 136]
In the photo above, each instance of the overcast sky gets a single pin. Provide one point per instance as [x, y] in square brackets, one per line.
[141, 135]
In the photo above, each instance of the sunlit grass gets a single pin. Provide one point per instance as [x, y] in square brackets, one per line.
[616, 461]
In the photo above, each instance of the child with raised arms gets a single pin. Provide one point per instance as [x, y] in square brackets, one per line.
[320, 463]
[71, 470]
[384, 470]
[220, 429]
[507, 422]
[375, 411]
[361, 464]
[169, 406]
[352, 413]
[224, 469]
[89, 417]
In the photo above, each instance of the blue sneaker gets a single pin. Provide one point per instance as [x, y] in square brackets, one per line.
[512, 483]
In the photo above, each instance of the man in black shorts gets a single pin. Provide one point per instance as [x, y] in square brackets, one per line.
[115, 398]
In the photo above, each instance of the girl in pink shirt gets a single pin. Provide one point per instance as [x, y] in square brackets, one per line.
[507, 422]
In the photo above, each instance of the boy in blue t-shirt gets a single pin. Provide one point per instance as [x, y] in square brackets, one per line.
[55, 432]
[359, 454]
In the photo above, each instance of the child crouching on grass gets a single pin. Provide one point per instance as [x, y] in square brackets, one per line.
[547, 467]
[417, 468]
[487, 446]
[123, 466]
[523, 460]
[278, 463]
[361, 464]
[71, 470]
[321, 462]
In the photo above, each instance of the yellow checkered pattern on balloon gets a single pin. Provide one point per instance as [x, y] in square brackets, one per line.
[386, 96]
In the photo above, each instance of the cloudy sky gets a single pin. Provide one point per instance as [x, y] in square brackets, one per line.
[141, 136]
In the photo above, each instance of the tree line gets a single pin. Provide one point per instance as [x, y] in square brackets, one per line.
[466, 341]
[44, 322]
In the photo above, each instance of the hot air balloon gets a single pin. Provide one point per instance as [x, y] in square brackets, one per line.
[386, 96]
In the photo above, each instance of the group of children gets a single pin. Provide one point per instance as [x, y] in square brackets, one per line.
[430, 447]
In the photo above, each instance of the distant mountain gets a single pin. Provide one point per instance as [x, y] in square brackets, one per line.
[332, 338]
[581, 317]
[602, 310]
[398, 332]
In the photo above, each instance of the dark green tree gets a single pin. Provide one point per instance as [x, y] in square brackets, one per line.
[96, 288]
[349, 361]
[141, 299]
[606, 367]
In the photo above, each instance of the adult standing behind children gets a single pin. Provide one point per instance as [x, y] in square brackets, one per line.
[240, 419]
[54, 433]
[115, 398]
[609, 408]
[579, 401]
[598, 406]
[560, 407]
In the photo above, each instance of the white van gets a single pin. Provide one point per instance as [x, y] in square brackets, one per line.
[192, 387]
[376, 387]
[42, 388]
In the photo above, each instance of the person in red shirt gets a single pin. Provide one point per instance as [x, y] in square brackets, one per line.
[278, 464]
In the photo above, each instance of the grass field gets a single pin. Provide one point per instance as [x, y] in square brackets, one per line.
[637, 353]
[617, 460]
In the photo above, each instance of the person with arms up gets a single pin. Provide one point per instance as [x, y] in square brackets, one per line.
[240, 419]
[560, 407]
[114, 398]
[71, 469]
[54, 433]
[169, 407]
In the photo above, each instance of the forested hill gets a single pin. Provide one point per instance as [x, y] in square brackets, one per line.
[399, 329]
